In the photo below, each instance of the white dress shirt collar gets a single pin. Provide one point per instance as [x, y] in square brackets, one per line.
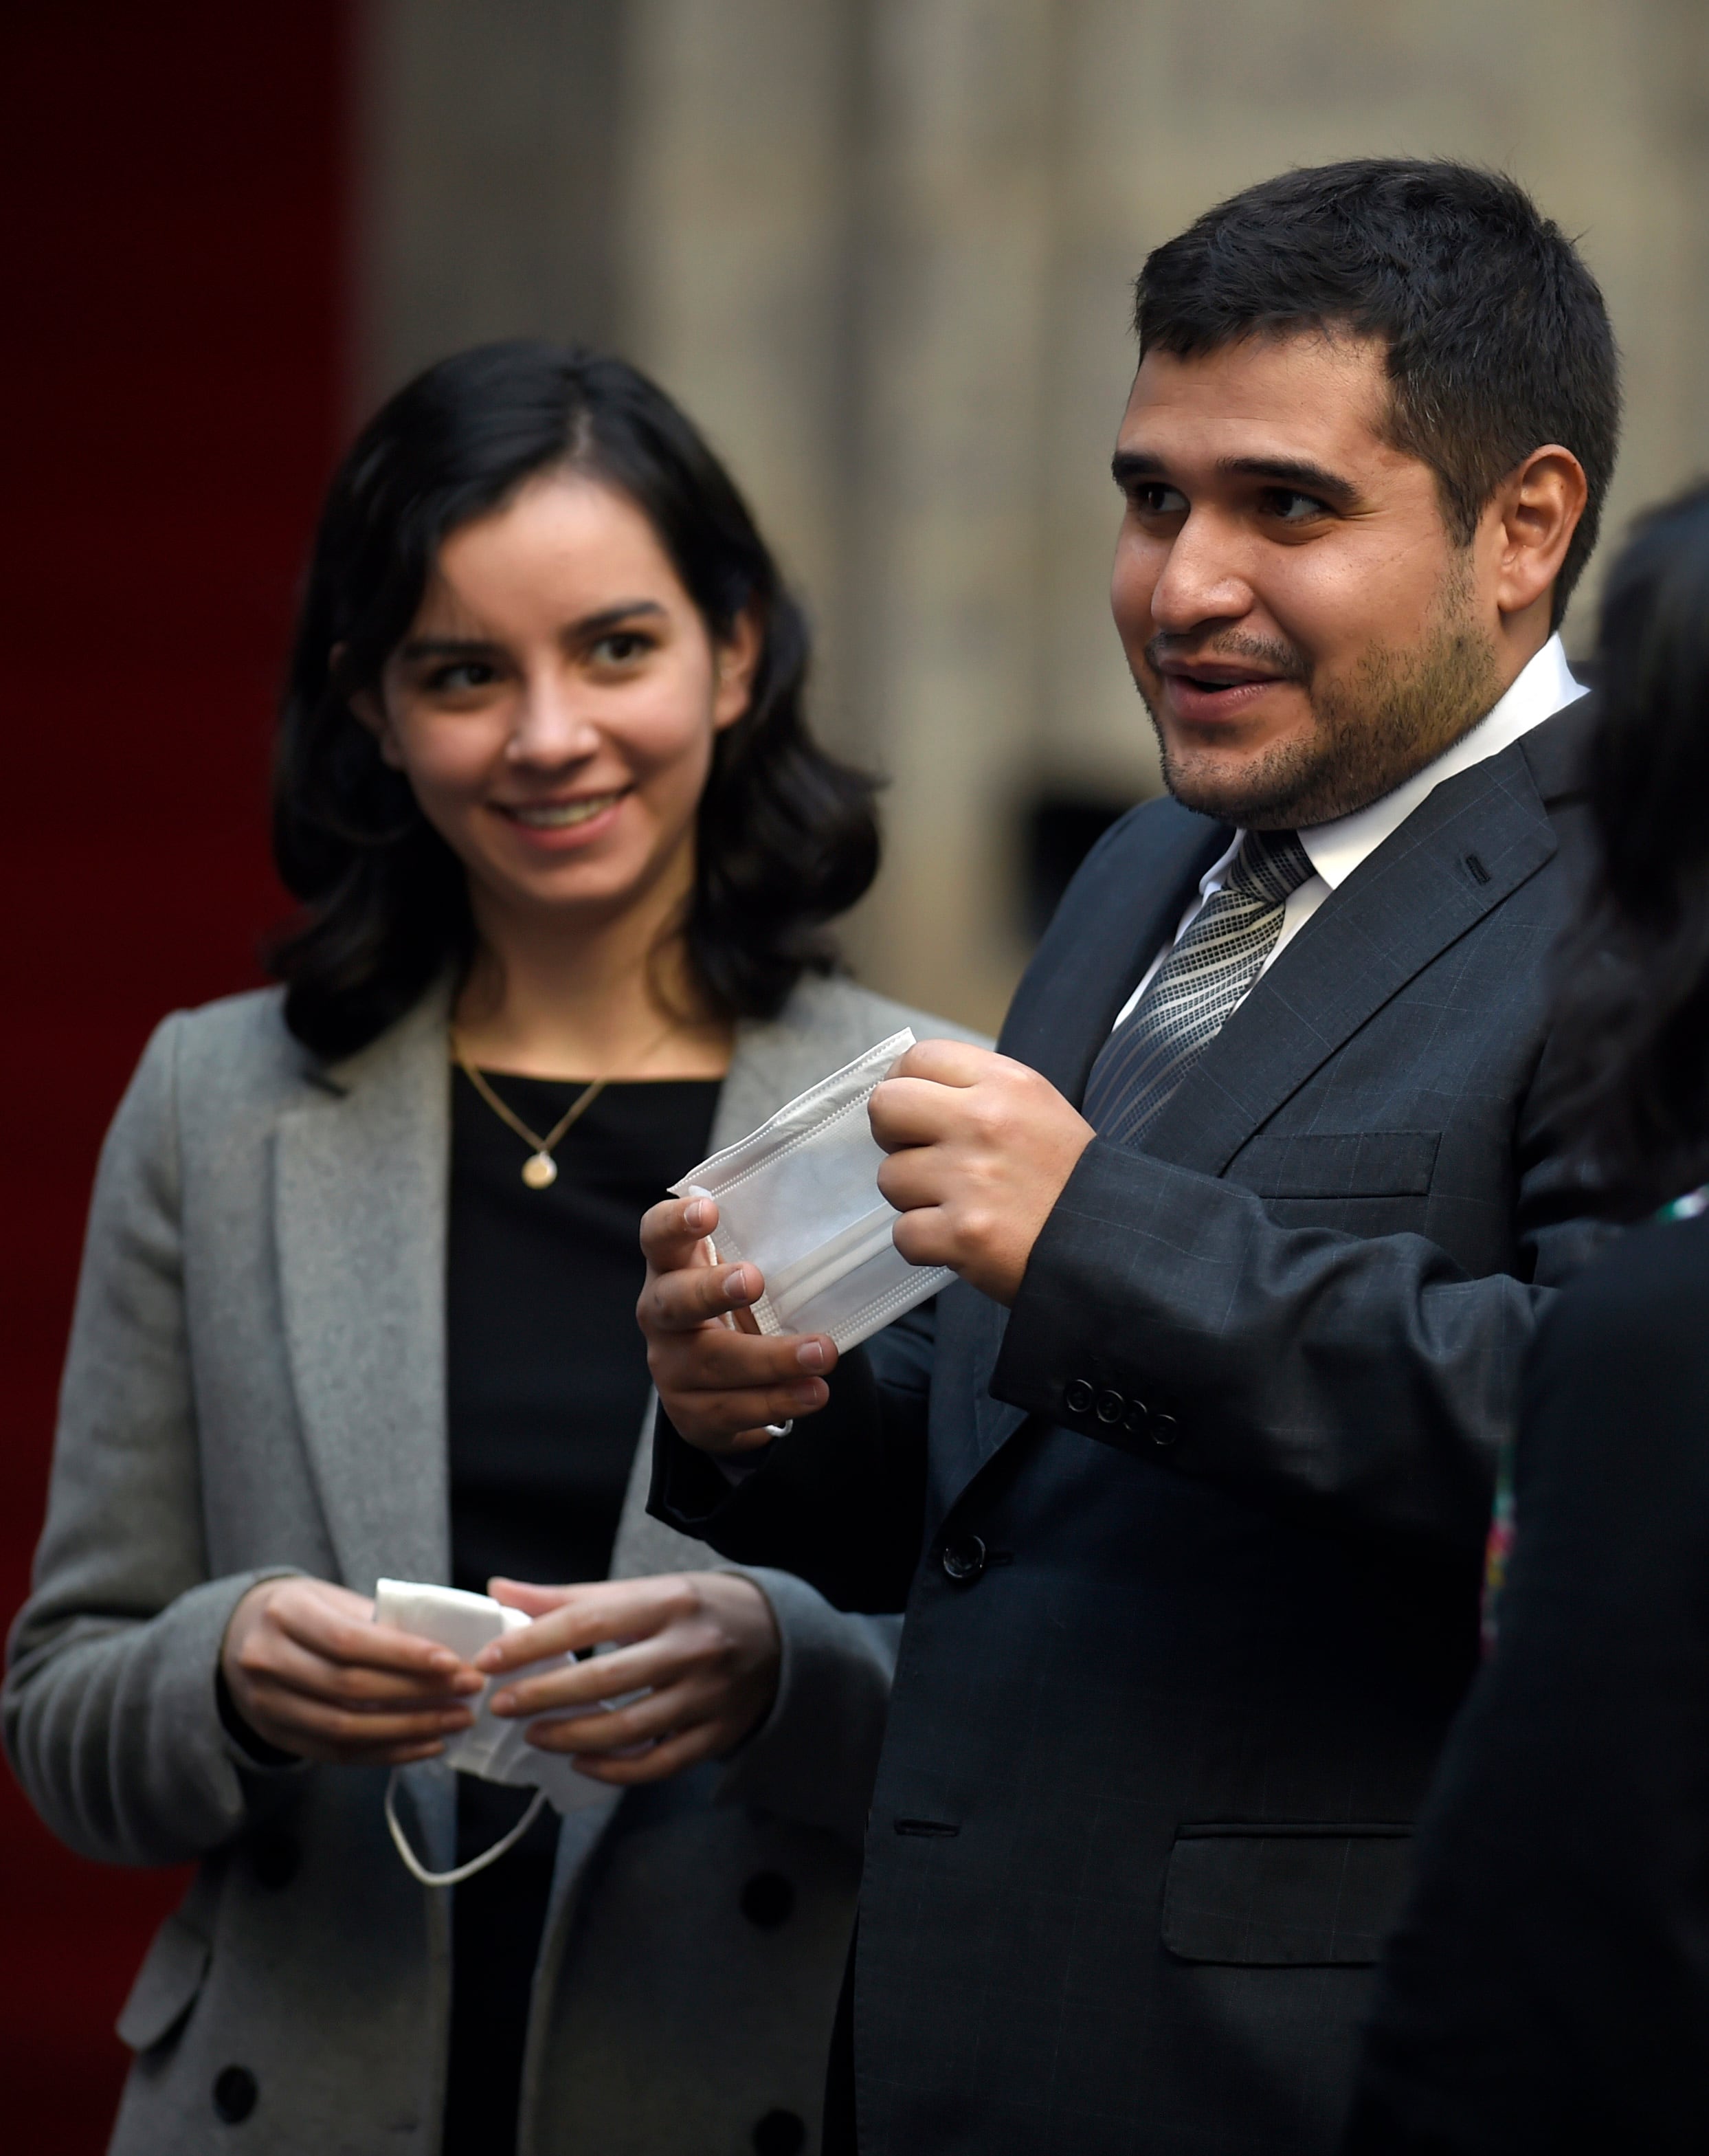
[1544, 687]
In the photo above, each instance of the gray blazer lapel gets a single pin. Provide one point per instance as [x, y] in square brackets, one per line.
[360, 1196]
[1416, 894]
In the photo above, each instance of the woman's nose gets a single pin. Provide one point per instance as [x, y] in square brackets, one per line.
[554, 725]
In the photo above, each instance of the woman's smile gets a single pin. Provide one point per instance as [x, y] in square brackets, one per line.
[555, 826]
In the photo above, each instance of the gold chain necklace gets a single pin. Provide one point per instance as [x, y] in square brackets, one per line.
[540, 1169]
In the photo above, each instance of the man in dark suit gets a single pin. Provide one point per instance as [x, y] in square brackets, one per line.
[1254, 1213]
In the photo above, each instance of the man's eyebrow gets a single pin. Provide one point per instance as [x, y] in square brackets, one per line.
[1294, 472]
[1129, 467]
[417, 648]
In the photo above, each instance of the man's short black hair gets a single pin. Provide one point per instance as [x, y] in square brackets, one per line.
[1498, 338]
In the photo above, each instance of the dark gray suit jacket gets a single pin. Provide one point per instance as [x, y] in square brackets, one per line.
[1191, 1552]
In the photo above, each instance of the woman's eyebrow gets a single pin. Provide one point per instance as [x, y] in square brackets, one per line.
[418, 648]
[591, 624]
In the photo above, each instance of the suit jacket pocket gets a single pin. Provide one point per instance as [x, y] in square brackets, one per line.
[171, 1976]
[1278, 1896]
[1339, 1165]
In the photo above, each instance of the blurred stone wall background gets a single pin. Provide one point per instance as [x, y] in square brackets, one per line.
[881, 250]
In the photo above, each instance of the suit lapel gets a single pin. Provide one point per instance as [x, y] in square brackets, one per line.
[361, 1173]
[1105, 935]
[1100, 945]
[1401, 908]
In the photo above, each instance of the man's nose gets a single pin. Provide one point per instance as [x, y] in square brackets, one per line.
[1202, 579]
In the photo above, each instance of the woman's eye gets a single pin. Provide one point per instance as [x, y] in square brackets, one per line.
[461, 677]
[621, 646]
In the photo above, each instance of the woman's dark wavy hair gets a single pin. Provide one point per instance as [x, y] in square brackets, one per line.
[1635, 1010]
[787, 837]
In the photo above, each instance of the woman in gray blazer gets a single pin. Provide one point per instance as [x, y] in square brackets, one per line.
[356, 1302]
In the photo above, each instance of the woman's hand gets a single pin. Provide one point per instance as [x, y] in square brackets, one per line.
[703, 1645]
[310, 1672]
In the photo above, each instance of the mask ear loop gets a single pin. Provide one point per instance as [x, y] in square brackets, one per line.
[475, 1863]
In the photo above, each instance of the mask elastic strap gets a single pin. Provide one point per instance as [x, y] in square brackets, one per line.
[475, 1863]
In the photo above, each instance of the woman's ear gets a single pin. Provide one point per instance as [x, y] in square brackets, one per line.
[736, 658]
[370, 711]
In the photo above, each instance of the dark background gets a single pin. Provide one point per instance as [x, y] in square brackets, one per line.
[170, 402]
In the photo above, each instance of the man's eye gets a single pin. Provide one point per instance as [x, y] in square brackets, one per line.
[1290, 507]
[1154, 499]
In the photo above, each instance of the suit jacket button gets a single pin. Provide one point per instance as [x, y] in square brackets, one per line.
[1079, 1397]
[779, 2134]
[1111, 1407]
[1164, 1428]
[235, 2094]
[964, 1559]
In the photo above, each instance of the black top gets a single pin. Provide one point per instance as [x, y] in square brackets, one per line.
[1549, 1992]
[546, 1381]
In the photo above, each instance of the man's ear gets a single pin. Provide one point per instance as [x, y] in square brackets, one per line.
[736, 659]
[1539, 505]
[369, 711]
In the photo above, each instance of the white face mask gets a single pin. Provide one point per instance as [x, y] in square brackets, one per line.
[799, 1198]
[493, 1747]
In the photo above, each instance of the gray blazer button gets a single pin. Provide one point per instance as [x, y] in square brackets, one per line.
[275, 1856]
[767, 1900]
[1079, 1397]
[235, 2094]
[964, 1559]
[1110, 1406]
[779, 2134]
[1165, 1429]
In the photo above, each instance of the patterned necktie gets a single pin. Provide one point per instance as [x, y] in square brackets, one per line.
[1192, 993]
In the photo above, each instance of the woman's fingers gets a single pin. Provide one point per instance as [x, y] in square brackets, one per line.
[338, 1626]
[587, 1615]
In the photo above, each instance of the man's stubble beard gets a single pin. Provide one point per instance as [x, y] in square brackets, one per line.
[1402, 708]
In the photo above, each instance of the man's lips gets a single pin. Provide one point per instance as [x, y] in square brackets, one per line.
[1211, 691]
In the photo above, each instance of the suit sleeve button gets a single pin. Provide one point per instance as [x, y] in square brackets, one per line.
[964, 1559]
[1110, 1406]
[1164, 1428]
[1079, 1397]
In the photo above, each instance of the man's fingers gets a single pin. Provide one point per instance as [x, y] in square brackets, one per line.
[673, 1231]
[698, 1295]
[282, 1661]
[717, 1359]
[948, 1063]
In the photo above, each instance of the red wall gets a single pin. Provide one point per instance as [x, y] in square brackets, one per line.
[169, 398]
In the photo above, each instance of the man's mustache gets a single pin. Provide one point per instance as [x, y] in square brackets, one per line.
[1281, 659]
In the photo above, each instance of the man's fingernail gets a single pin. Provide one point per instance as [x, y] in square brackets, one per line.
[695, 1216]
[465, 1680]
[503, 1702]
[807, 1397]
[459, 1717]
[735, 1287]
[811, 1355]
[442, 1659]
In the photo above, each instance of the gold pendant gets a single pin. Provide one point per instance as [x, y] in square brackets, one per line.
[540, 1171]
